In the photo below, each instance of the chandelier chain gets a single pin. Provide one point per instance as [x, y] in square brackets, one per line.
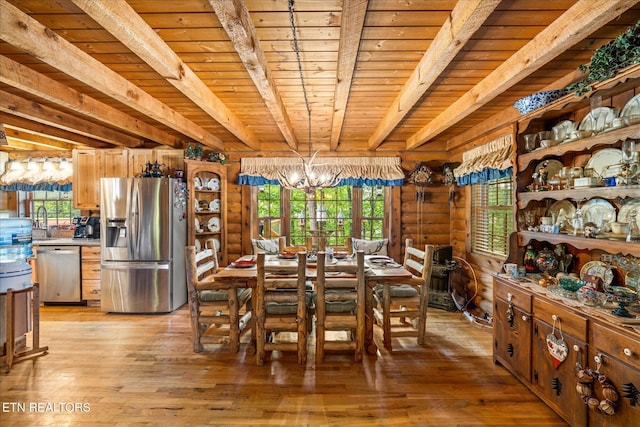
[296, 48]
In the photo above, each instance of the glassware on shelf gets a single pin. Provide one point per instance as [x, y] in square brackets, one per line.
[634, 231]
[530, 142]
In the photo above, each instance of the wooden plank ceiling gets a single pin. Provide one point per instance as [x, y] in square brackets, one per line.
[383, 76]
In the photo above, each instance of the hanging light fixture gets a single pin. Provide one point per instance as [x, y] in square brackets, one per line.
[309, 176]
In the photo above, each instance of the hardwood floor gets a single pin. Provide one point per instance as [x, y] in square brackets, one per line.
[124, 370]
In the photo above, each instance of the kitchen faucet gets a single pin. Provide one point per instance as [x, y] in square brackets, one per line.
[46, 219]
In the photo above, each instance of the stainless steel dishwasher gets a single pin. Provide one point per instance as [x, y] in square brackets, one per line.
[59, 274]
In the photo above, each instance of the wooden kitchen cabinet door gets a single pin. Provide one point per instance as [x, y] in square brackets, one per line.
[88, 167]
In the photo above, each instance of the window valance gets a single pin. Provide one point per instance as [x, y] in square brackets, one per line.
[487, 162]
[354, 171]
[37, 174]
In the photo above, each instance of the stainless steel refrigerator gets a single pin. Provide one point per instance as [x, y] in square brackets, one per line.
[143, 235]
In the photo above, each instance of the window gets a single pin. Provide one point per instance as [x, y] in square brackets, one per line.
[492, 216]
[58, 206]
[341, 212]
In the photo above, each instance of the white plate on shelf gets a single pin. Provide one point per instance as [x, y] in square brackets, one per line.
[599, 269]
[197, 183]
[627, 208]
[601, 161]
[214, 184]
[197, 205]
[631, 108]
[214, 205]
[197, 226]
[598, 119]
[553, 167]
[196, 244]
[598, 211]
[214, 224]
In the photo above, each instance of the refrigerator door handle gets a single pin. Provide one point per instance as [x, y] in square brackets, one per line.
[134, 218]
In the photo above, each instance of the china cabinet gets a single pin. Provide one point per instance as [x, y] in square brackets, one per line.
[207, 206]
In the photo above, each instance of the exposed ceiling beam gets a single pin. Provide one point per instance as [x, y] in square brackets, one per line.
[27, 34]
[13, 104]
[41, 129]
[353, 14]
[17, 137]
[126, 25]
[466, 17]
[30, 81]
[582, 19]
[234, 17]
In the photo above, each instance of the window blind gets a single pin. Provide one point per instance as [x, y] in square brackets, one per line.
[492, 216]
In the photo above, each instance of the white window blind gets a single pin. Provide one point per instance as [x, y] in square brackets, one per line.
[492, 216]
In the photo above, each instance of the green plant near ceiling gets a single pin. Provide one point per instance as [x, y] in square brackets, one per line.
[608, 59]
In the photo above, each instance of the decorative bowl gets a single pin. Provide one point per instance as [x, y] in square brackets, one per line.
[533, 102]
[591, 297]
[571, 283]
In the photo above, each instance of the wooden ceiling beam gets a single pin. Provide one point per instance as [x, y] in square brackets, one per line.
[20, 30]
[580, 20]
[465, 19]
[16, 105]
[30, 126]
[20, 136]
[353, 14]
[234, 17]
[32, 82]
[127, 26]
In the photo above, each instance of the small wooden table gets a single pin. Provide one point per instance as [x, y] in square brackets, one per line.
[375, 274]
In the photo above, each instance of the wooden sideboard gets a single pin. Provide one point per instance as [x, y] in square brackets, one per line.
[524, 315]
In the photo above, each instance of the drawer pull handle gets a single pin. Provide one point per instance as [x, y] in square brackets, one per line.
[509, 297]
[554, 317]
[628, 352]
[598, 358]
[576, 347]
[525, 318]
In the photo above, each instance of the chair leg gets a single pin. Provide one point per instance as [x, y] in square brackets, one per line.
[234, 326]
[386, 317]
[302, 327]
[320, 330]
[422, 319]
[260, 331]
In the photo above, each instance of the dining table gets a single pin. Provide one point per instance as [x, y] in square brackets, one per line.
[379, 269]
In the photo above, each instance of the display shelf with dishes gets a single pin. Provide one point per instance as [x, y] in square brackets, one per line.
[207, 184]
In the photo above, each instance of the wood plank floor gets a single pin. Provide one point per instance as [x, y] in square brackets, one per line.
[128, 370]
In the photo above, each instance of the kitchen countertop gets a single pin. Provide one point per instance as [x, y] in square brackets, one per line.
[67, 242]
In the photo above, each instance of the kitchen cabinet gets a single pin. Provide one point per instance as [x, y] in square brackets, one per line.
[90, 274]
[88, 167]
[169, 159]
[207, 205]
[587, 333]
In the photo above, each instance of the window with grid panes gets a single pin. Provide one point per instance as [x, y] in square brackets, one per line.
[492, 216]
[58, 205]
[348, 211]
[269, 211]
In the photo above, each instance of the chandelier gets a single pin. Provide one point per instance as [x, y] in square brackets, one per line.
[308, 176]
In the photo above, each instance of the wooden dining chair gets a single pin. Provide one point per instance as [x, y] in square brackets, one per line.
[220, 311]
[340, 307]
[406, 302]
[281, 305]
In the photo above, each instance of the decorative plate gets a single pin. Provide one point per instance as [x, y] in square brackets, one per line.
[214, 184]
[196, 244]
[598, 119]
[214, 205]
[627, 208]
[632, 280]
[243, 263]
[567, 206]
[598, 211]
[213, 224]
[553, 167]
[632, 108]
[599, 269]
[197, 205]
[601, 160]
[197, 225]
[197, 183]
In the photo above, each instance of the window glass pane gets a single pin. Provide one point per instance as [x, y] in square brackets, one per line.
[269, 212]
[492, 216]
[373, 207]
[58, 206]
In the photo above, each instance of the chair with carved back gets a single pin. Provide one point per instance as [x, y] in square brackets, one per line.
[282, 302]
[340, 307]
[406, 302]
[220, 311]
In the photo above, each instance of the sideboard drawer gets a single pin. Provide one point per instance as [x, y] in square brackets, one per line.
[567, 321]
[625, 348]
[519, 297]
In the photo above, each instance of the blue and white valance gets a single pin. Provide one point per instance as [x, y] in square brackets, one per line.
[487, 162]
[37, 174]
[354, 171]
